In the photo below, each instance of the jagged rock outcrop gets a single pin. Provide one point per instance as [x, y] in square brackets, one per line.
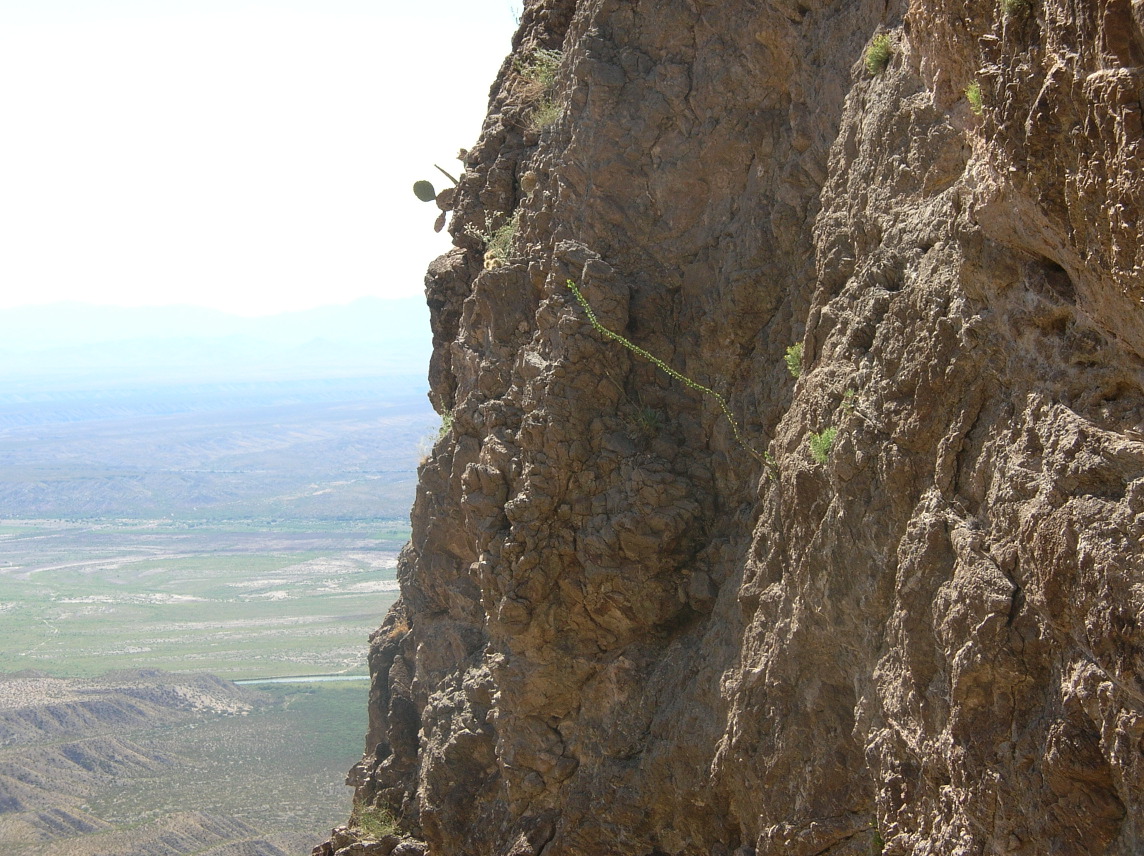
[620, 631]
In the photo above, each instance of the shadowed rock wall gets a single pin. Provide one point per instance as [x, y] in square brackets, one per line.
[619, 632]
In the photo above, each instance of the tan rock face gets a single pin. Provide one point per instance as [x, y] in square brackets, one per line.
[618, 634]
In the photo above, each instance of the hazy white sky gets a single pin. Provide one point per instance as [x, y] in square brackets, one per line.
[254, 157]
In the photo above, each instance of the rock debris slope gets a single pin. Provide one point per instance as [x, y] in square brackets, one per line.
[620, 632]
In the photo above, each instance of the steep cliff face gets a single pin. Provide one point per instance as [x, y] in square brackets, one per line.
[622, 631]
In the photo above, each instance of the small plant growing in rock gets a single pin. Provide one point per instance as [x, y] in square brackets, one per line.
[878, 54]
[645, 423]
[877, 843]
[373, 822]
[546, 112]
[496, 252]
[497, 241]
[446, 424]
[770, 462]
[820, 444]
[793, 359]
[1015, 8]
[425, 191]
[973, 96]
[399, 629]
[539, 71]
[849, 401]
[539, 74]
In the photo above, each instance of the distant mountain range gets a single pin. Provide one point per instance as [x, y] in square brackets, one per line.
[179, 411]
[72, 343]
[369, 319]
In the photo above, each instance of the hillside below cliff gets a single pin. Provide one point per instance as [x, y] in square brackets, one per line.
[879, 592]
[148, 763]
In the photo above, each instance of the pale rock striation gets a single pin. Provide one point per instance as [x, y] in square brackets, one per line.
[618, 633]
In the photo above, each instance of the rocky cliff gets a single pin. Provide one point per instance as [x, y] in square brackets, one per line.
[901, 611]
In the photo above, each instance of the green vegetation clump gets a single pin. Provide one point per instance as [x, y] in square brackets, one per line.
[426, 192]
[539, 71]
[446, 424]
[878, 54]
[539, 74]
[497, 241]
[373, 821]
[973, 96]
[820, 444]
[793, 359]
[497, 249]
[877, 843]
[1015, 8]
[849, 401]
[645, 423]
[546, 112]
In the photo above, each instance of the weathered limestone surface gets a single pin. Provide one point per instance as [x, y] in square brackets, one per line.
[618, 634]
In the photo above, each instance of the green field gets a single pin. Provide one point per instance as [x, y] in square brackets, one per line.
[238, 601]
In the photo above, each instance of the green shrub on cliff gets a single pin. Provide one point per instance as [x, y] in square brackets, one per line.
[497, 241]
[539, 71]
[878, 54]
[539, 75]
[973, 96]
[546, 112]
[821, 444]
[373, 821]
[496, 252]
[793, 359]
[644, 423]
